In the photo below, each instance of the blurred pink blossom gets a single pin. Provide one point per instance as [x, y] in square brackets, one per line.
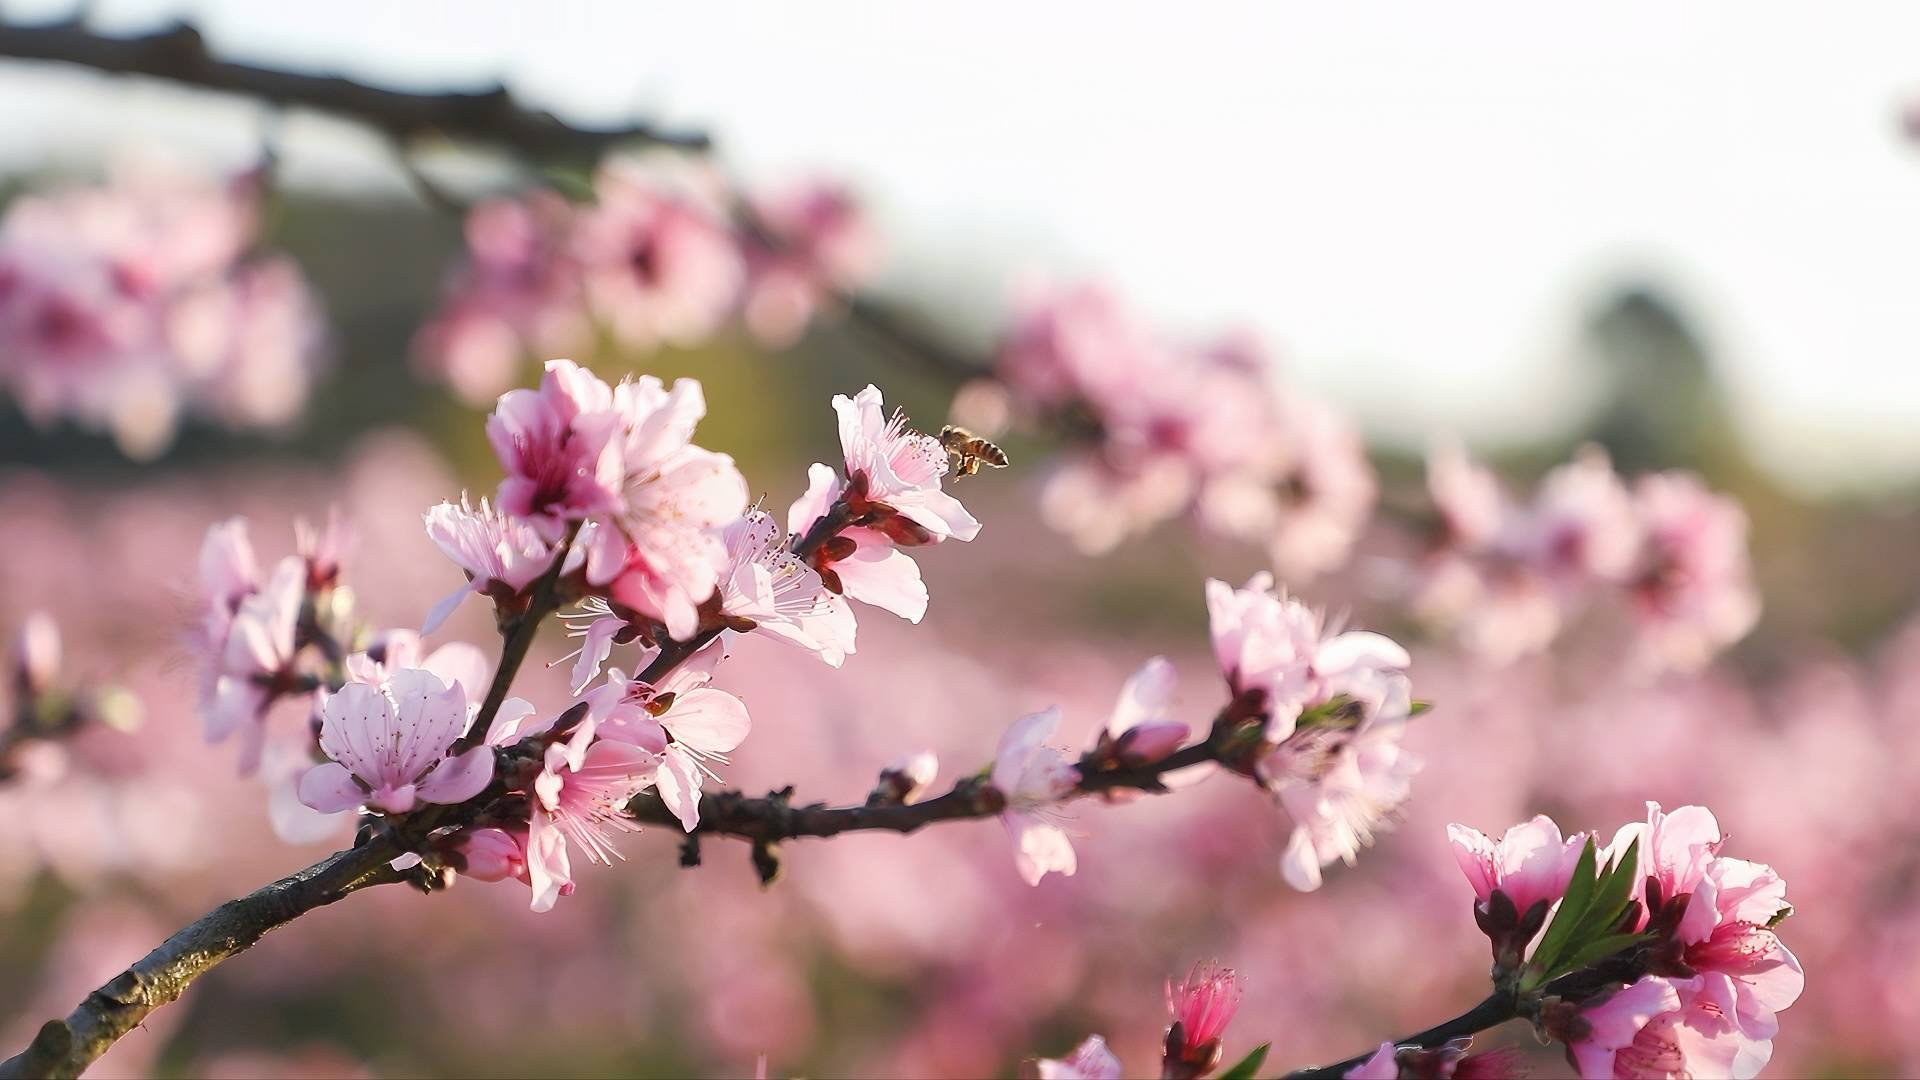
[1033, 777]
[125, 305]
[1091, 1060]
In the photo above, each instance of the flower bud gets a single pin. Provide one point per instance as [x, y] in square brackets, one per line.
[36, 656]
[905, 779]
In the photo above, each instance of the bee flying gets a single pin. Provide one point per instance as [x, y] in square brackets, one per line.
[968, 452]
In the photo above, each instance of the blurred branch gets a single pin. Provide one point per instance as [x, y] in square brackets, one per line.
[180, 55]
[899, 336]
[66, 1047]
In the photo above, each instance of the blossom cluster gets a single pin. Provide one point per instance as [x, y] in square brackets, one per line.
[127, 305]
[1175, 427]
[1317, 718]
[662, 254]
[1508, 576]
[607, 504]
[43, 709]
[1693, 974]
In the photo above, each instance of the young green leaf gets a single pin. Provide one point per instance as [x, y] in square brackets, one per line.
[1245, 1068]
[1611, 897]
[1573, 908]
[1599, 949]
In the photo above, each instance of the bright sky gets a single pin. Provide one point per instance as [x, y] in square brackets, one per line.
[1416, 202]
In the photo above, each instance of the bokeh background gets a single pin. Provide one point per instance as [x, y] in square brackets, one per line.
[1688, 237]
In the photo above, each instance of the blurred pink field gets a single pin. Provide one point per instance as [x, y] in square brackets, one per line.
[1626, 611]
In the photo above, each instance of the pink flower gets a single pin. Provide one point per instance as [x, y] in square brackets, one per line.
[687, 723]
[1466, 496]
[390, 747]
[519, 292]
[252, 342]
[125, 305]
[457, 663]
[1342, 780]
[1202, 1006]
[1097, 503]
[1278, 647]
[1581, 527]
[821, 245]
[228, 575]
[1531, 864]
[324, 549]
[1074, 342]
[559, 446]
[1141, 729]
[1091, 1060]
[1694, 586]
[34, 658]
[774, 590]
[1724, 973]
[491, 854]
[662, 554]
[657, 268]
[501, 556]
[578, 802]
[1307, 495]
[897, 468]
[1034, 778]
[256, 663]
[859, 562]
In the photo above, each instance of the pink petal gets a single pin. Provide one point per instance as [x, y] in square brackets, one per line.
[708, 720]
[882, 575]
[329, 788]
[458, 779]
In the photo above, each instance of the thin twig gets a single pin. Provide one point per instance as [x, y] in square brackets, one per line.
[773, 818]
[181, 55]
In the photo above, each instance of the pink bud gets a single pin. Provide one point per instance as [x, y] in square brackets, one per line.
[1148, 743]
[493, 854]
[905, 779]
[1202, 1007]
[36, 655]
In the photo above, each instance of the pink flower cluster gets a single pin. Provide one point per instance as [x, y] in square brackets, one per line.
[656, 258]
[1507, 576]
[126, 305]
[1707, 974]
[266, 638]
[605, 500]
[1321, 716]
[1177, 428]
[1718, 975]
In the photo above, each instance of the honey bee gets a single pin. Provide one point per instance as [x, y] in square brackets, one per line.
[968, 452]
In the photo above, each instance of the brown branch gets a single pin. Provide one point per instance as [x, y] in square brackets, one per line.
[66, 1047]
[773, 818]
[180, 55]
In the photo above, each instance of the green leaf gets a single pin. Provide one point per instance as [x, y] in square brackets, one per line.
[1599, 949]
[1419, 707]
[1247, 1066]
[1573, 908]
[1785, 910]
[1611, 897]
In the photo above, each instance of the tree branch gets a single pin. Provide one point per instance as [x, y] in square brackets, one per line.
[773, 818]
[180, 55]
[1497, 1009]
[66, 1047]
